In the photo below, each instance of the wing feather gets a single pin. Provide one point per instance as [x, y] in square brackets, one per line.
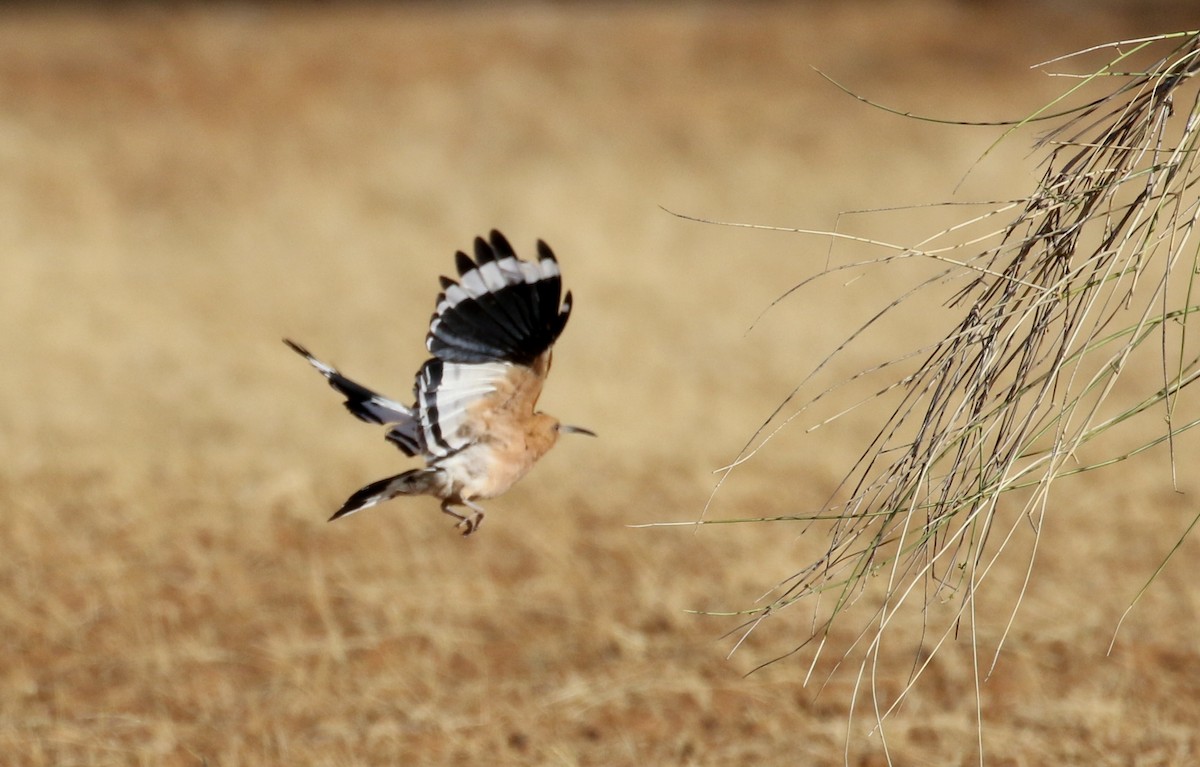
[501, 309]
[447, 392]
[367, 405]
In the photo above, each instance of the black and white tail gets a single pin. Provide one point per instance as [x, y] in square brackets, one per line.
[411, 482]
[501, 309]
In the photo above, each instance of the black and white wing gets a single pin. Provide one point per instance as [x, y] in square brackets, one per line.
[501, 313]
[447, 394]
[501, 309]
[369, 406]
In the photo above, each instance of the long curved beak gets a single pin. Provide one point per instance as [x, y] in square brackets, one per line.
[576, 430]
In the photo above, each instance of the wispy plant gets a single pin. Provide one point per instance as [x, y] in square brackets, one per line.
[1094, 268]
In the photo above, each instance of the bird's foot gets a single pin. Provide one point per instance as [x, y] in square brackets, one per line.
[470, 524]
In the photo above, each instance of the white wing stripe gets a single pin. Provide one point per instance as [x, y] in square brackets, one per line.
[446, 393]
[494, 276]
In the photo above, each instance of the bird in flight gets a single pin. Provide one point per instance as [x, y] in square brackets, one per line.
[473, 421]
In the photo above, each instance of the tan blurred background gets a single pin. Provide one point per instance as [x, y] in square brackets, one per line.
[181, 186]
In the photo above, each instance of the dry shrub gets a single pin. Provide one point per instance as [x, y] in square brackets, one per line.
[1092, 277]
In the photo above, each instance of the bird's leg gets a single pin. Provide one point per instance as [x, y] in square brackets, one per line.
[469, 524]
[476, 519]
[461, 519]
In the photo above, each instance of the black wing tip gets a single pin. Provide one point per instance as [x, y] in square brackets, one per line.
[500, 244]
[463, 263]
[297, 348]
[483, 251]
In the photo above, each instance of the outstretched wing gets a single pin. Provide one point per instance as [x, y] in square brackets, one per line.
[497, 323]
[369, 406]
[503, 314]
[501, 309]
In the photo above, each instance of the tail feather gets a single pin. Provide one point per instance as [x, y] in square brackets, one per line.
[502, 309]
[411, 482]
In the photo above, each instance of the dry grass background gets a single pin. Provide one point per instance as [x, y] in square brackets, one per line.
[180, 188]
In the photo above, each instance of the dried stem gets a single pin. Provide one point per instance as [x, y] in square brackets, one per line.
[1098, 261]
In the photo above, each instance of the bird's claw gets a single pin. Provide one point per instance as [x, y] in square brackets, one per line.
[470, 524]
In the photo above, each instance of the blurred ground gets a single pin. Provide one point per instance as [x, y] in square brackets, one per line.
[181, 188]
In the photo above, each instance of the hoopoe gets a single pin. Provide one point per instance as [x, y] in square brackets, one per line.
[473, 421]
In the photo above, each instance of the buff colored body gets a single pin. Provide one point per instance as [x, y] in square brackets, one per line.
[507, 439]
